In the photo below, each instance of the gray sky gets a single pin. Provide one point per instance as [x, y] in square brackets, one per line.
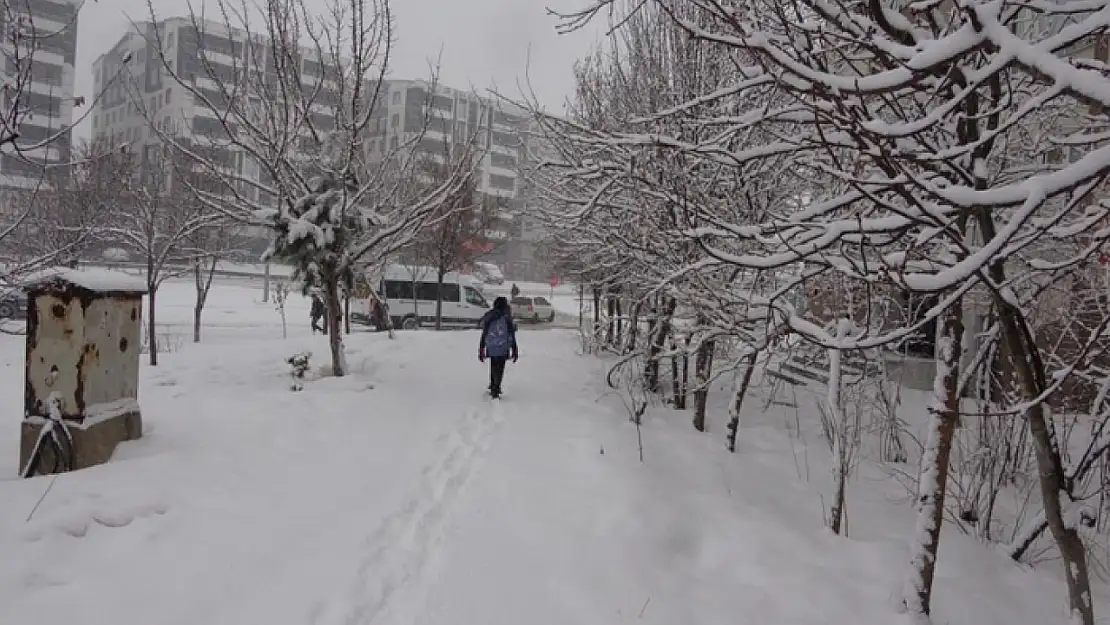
[484, 42]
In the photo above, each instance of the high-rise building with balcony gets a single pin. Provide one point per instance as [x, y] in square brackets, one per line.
[43, 71]
[139, 94]
[435, 116]
[142, 101]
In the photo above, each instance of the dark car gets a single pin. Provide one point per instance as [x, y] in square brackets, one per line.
[13, 304]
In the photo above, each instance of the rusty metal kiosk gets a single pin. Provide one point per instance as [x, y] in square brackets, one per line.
[82, 369]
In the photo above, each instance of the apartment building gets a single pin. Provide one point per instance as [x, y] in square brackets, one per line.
[139, 93]
[454, 117]
[47, 100]
[141, 98]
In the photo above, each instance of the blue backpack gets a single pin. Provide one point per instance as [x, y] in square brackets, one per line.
[497, 336]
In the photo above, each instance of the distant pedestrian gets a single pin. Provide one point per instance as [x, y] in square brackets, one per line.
[379, 312]
[498, 342]
[316, 313]
[514, 291]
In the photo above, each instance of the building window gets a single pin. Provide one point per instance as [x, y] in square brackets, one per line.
[505, 139]
[502, 160]
[396, 97]
[505, 183]
[394, 120]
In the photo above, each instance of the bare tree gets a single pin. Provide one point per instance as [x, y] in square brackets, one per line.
[158, 222]
[210, 245]
[73, 205]
[42, 223]
[301, 116]
[456, 235]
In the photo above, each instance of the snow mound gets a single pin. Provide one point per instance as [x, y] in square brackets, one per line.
[98, 280]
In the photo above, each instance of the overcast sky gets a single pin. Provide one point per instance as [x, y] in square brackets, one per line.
[484, 42]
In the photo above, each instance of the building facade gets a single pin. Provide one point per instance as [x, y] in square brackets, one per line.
[498, 130]
[143, 101]
[42, 73]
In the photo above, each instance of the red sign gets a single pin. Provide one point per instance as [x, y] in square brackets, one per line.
[477, 246]
[554, 281]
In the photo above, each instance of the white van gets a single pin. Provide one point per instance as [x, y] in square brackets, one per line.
[410, 293]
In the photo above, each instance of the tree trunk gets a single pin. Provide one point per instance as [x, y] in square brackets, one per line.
[611, 311]
[346, 313]
[198, 305]
[838, 434]
[652, 323]
[1050, 466]
[266, 283]
[676, 381]
[597, 318]
[738, 401]
[1031, 377]
[633, 329]
[703, 369]
[204, 286]
[152, 338]
[618, 338]
[684, 388]
[661, 328]
[332, 319]
[196, 321]
[944, 411]
[439, 300]
[581, 306]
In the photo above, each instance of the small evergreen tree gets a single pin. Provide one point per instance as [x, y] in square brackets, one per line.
[314, 236]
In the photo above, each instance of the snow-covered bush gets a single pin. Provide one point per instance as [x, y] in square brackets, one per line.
[298, 366]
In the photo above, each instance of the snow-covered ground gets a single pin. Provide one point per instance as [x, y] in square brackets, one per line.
[399, 495]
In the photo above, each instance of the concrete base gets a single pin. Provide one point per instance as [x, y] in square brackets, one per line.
[92, 445]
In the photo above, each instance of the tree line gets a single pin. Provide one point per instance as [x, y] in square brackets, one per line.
[774, 185]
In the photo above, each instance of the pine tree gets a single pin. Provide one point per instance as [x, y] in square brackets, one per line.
[314, 235]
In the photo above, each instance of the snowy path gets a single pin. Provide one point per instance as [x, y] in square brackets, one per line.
[392, 573]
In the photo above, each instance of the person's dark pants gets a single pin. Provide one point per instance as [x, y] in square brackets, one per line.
[496, 374]
[318, 325]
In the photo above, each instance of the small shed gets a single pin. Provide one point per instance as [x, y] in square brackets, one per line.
[83, 340]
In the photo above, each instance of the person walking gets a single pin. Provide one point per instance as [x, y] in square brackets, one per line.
[316, 314]
[498, 343]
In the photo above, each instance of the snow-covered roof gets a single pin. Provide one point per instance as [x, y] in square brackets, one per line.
[93, 279]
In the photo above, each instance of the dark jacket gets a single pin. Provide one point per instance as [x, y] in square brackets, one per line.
[496, 313]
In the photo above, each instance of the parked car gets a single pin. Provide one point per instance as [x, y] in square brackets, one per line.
[488, 273]
[13, 304]
[534, 309]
